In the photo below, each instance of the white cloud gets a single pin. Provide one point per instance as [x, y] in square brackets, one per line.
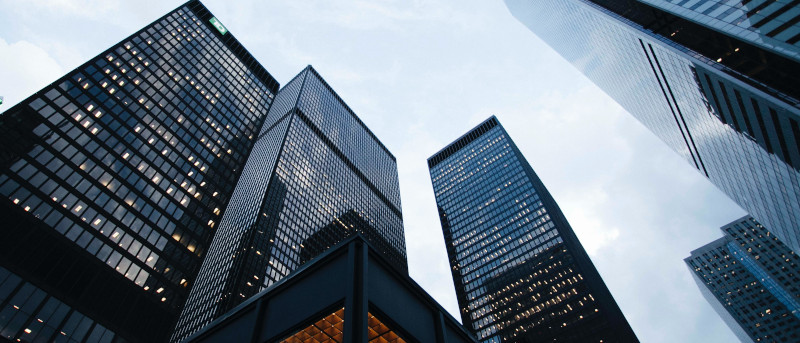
[24, 68]
[75, 8]
[393, 15]
[591, 229]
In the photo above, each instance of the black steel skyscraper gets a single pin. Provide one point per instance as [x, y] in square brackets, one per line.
[715, 80]
[316, 175]
[752, 280]
[114, 177]
[521, 275]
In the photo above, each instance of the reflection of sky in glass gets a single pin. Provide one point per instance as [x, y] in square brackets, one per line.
[707, 116]
[763, 23]
[766, 280]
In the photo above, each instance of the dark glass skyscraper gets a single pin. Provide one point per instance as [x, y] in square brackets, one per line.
[715, 80]
[316, 175]
[752, 280]
[521, 275]
[114, 177]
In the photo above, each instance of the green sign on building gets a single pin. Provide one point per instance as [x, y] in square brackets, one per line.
[221, 28]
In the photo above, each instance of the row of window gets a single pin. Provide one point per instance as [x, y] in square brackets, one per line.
[29, 314]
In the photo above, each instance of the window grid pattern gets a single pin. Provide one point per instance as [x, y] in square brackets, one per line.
[329, 329]
[753, 277]
[746, 141]
[206, 298]
[771, 23]
[515, 274]
[134, 155]
[29, 314]
[305, 187]
[320, 189]
[345, 131]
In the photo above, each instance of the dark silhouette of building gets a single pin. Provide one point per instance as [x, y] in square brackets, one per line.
[521, 275]
[315, 170]
[716, 81]
[113, 179]
[752, 280]
[359, 296]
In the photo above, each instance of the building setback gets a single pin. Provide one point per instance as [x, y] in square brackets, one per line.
[114, 177]
[316, 175]
[752, 280]
[520, 273]
[716, 81]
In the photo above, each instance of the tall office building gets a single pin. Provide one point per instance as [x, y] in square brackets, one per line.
[752, 280]
[114, 177]
[715, 80]
[316, 175]
[521, 275]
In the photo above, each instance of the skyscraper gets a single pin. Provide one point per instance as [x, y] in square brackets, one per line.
[114, 177]
[752, 280]
[521, 275]
[316, 175]
[717, 81]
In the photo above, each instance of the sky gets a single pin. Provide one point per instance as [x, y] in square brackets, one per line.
[422, 73]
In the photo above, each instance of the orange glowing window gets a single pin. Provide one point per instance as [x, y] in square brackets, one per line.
[378, 332]
[325, 330]
[330, 330]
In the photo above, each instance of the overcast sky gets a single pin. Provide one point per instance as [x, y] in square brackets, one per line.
[422, 73]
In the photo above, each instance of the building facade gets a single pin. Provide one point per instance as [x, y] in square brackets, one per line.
[715, 80]
[520, 273]
[359, 297]
[316, 175]
[752, 280]
[114, 177]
